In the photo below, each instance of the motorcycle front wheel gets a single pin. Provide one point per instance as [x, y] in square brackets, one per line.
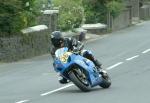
[78, 77]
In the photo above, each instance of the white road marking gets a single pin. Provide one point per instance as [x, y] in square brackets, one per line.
[128, 59]
[23, 101]
[53, 91]
[146, 51]
[113, 66]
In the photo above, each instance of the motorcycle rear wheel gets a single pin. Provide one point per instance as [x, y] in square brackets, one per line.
[106, 83]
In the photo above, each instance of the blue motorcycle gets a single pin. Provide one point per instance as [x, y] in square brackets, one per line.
[79, 70]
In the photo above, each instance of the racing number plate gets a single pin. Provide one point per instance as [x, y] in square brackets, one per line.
[65, 57]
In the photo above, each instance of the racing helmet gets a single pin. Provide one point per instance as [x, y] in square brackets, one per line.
[57, 38]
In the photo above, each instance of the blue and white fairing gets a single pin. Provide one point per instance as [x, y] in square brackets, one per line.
[65, 59]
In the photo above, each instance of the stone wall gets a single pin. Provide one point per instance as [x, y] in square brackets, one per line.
[122, 21]
[33, 42]
[135, 8]
[49, 18]
[145, 12]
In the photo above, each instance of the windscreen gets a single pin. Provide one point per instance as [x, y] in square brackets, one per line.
[60, 52]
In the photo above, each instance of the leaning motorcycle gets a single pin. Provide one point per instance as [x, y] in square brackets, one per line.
[79, 70]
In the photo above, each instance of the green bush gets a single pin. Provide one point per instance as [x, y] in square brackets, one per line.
[97, 10]
[40, 4]
[16, 15]
[94, 14]
[115, 8]
[71, 13]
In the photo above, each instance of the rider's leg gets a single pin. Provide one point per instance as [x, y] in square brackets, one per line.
[63, 80]
[88, 54]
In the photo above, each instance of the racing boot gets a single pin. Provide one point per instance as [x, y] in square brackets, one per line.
[92, 58]
[99, 67]
[95, 61]
[63, 80]
[97, 64]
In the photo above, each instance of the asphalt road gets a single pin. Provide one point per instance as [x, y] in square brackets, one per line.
[125, 54]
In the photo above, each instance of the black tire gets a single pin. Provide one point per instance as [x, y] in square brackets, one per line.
[106, 83]
[74, 78]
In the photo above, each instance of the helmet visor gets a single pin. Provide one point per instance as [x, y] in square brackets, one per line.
[57, 42]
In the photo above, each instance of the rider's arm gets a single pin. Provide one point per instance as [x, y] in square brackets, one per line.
[79, 45]
[52, 52]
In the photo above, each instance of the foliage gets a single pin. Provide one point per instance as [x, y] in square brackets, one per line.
[40, 4]
[71, 13]
[94, 11]
[97, 10]
[115, 8]
[16, 15]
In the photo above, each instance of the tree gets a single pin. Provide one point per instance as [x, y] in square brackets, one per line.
[97, 10]
[71, 13]
[40, 4]
[114, 8]
[15, 15]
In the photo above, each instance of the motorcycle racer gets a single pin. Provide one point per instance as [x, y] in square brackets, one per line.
[58, 41]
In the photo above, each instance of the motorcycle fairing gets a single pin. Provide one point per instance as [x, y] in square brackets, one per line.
[75, 59]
